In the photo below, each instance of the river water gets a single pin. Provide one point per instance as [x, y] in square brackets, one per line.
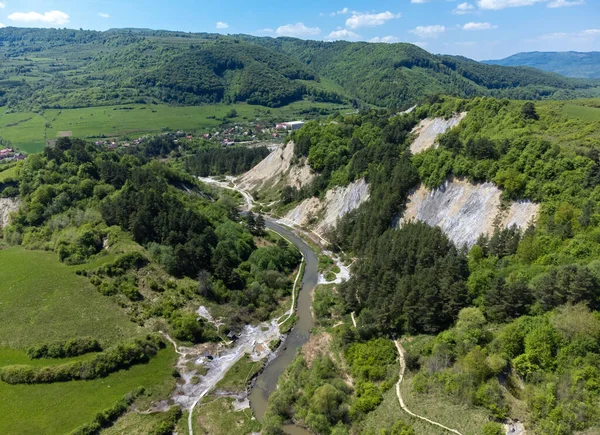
[266, 382]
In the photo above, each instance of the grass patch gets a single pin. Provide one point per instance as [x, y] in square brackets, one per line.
[239, 375]
[582, 112]
[467, 420]
[8, 173]
[219, 418]
[63, 406]
[43, 300]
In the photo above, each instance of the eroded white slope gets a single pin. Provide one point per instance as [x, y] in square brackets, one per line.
[323, 215]
[7, 206]
[464, 211]
[430, 128]
[276, 169]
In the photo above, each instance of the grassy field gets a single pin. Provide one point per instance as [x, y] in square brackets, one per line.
[8, 173]
[30, 131]
[466, 420]
[217, 417]
[582, 112]
[60, 407]
[43, 300]
[237, 377]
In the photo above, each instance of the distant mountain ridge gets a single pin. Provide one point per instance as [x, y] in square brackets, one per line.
[64, 68]
[567, 63]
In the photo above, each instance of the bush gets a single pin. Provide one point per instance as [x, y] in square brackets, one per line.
[119, 357]
[65, 349]
[492, 428]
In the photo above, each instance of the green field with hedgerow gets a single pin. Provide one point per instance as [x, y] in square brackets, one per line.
[30, 131]
[61, 407]
[44, 300]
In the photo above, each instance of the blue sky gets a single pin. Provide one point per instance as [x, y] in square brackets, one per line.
[480, 29]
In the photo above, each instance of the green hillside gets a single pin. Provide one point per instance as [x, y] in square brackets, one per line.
[53, 68]
[402, 74]
[567, 63]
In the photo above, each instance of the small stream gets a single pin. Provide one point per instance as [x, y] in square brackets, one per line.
[266, 382]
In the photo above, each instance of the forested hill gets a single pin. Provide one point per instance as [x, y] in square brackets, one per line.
[61, 68]
[385, 74]
[567, 63]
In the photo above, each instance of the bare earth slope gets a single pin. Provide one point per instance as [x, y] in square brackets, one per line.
[323, 215]
[464, 211]
[7, 206]
[430, 128]
[276, 169]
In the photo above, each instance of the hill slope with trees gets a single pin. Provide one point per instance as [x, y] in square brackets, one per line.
[62, 68]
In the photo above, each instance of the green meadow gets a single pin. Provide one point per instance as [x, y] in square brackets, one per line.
[30, 131]
[43, 300]
[61, 407]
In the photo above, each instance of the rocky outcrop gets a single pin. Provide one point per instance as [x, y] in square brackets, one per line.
[7, 206]
[464, 211]
[430, 128]
[276, 170]
[322, 215]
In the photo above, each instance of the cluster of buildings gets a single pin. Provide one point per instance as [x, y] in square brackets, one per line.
[243, 133]
[112, 144]
[292, 126]
[10, 155]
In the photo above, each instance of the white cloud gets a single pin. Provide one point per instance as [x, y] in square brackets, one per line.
[428, 31]
[340, 12]
[2, 5]
[479, 26]
[103, 15]
[52, 17]
[222, 25]
[267, 30]
[343, 34]
[360, 19]
[419, 1]
[583, 35]
[564, 3]
[502, 4]
[2, 26]
[297, 30]
[463, 9]
[387, 39]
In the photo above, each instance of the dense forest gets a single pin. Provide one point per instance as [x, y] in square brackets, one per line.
[53, 68]
[163, 240]
[509, 326]
[399, 75]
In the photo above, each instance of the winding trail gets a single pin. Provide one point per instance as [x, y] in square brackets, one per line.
[402, 404]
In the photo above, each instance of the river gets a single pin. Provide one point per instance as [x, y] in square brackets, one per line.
[266, 382]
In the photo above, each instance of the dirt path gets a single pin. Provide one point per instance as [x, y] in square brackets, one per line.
[402, 404]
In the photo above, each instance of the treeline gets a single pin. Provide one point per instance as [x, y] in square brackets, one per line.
[65, 349]
[122, 356]
[225, 161]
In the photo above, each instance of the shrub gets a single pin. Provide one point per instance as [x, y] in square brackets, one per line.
[65, 349]
[119, 357]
